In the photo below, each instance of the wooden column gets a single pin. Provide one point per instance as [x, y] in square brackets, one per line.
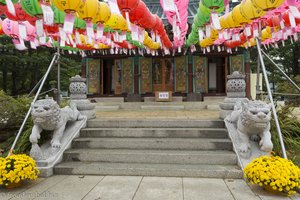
[83, 68]
[136, 75]
[247, 79]
[190, 74]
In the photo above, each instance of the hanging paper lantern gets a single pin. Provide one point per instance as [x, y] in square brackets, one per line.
[273, 21]
[68, 6]
[223, 22]
[104, 14]
[267, 4]
[249, 11]
[213, 4]
[89, 10]
[59, 16]
[231, 22]
[1, 31]
[2, 9]
[238, 16]
[148, 21]
[32, 7]
[127, 5]
[10, 28]
[30, 30]
[21, 15]
[79, 25]
[3, 2]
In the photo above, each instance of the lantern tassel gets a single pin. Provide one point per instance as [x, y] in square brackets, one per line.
[128, 21]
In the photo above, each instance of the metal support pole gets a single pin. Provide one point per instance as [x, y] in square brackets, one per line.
[257, 80]
[32, 91]
[286, 76]
[58, 76]
[35, 98]
[271, 98]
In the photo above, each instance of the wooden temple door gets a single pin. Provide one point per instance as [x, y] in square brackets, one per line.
[118, 76]
[163, 75]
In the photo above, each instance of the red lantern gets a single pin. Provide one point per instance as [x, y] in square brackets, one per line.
[273, 21]
[127, 5]
[148, 21]
[3, 8]
[21, 15]
[138, 13]
[51, 30]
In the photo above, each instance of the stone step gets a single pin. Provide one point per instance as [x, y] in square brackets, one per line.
[162, 107]
[107, 108]
[108, 99]
[138, 169]
[151, 156]
[155, 132]
[155, 123]
[153, 143]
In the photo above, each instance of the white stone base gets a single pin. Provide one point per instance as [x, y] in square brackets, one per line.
[72, 131]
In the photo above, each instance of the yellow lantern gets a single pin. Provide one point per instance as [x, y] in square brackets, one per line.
[266, 33]
[68, 6]
[223, 22]
[238, 17]
[89, 10]
[267, 4]
[104, 14]
[249, 11]
[230, 21]
[117, 22]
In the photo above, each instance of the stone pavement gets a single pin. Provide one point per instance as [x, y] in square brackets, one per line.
[61, 187]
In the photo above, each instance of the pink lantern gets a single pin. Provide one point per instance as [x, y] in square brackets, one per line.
[21, 15]
[293, 2]
[10, 28]
[31, 32]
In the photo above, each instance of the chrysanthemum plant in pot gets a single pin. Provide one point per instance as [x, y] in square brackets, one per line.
[275, 174]
[15, 168]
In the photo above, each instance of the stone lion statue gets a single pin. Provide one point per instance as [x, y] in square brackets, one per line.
[47, 115]
[252, 120]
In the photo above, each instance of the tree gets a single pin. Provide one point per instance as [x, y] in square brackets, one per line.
[21, 70]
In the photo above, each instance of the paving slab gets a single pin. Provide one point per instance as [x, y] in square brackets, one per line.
[39, 189]
[205, 188]
[6, 194]
[241, 190]
[160, 188]
[115, 188]
[72, 188]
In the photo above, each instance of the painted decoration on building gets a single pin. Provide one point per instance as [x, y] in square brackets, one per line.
[118, 76]
[200, 74]
[93, 66]
[146, 78]
[181, 74]
[237, 63]
[127, 75]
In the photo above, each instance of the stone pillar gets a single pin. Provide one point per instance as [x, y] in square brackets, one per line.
[78, 96]
[236, 91]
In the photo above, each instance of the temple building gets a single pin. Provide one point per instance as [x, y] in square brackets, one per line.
[185, 74]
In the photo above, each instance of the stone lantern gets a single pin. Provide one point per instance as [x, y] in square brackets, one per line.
[236, 91]
[78, 96]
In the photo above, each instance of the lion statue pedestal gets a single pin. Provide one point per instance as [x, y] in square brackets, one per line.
[65, 124]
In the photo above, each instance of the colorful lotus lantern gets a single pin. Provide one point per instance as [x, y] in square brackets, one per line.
[104, 14]
[10, 28]
[1, 31]
[32, 7]
[138, 13]
[3, 2]
[238, 17]
[68, 6]
[2, 9]
[213, 4]
[127, 6]
[20, 14]
[267, 4]
[89, 10]
[249, 11]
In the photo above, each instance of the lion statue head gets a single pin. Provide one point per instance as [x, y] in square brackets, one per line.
[256, 114]
[46, 113]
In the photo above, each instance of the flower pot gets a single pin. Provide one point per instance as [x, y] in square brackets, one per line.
[269, 189]
[14, 185]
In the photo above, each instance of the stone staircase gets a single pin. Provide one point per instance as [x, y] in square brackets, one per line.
[152, 147]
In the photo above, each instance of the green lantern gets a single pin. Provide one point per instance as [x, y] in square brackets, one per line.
[3, 2]
[213, 4]
[59, 16]
[79, 23]
[32, 7]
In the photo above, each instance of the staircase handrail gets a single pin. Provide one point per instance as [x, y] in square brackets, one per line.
[56, 55]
